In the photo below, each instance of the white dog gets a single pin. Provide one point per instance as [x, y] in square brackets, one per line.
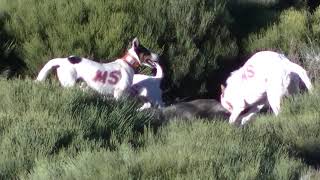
[113, 78]
[262, 81]
[148, 88]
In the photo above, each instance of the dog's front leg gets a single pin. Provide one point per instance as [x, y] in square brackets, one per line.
[234, 117]
[247, 117]
[145, 106]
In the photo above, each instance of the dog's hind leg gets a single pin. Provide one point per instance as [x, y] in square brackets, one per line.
[274, 98]
[67, 76]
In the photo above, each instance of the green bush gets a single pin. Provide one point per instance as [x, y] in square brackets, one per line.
[190, 35]
[272, 3]
[315, 23]
[288, 35]
[10, 63]
[297, 35]
[311, 49]
[94, 29]
[200, 37]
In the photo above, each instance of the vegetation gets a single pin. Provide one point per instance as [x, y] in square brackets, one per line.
[41, 120]
[52, 133]
[189, 34]
[47, 132]
[296, 35]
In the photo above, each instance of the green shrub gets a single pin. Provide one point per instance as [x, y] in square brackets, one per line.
[297, 35]
[287, 35]
[189, 34]
[315, 23]
[263, 3]
[94, 29]
[310, 55]
[199, 38]
[310, 49]
[10, 63]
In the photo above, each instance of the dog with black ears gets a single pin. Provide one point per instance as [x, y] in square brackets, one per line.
[113, 78]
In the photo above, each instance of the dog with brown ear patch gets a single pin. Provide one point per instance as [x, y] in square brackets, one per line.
[113, 78]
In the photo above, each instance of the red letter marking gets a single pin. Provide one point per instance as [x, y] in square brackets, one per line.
[115, 76]
[248, 73]
[100, 76]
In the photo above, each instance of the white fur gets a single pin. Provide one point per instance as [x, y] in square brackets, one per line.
[262, 81]
[148, 87]
[87, 70]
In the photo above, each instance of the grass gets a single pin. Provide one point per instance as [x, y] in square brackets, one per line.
[41, 120]
[48, 132]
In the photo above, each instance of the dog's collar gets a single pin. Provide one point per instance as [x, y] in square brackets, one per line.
[132, 61]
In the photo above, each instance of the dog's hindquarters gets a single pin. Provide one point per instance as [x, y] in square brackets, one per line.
[44, 72]
[65, 71]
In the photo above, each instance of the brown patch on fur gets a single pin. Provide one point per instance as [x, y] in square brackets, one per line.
[74, 59]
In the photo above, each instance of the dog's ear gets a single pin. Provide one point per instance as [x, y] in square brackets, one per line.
[222, 88]
[135, 43]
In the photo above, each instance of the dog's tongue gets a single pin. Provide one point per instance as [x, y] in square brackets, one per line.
[154, 71]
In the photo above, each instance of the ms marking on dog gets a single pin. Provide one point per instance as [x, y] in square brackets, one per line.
[248, 73]
[105, 77]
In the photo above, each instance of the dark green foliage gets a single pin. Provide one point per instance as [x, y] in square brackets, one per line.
[194, 38]
[199, 39]
[271, 3]
[95, 29]
[190, 35]
[287, 36]
[10, 63]
[48, 132]
[296, 35]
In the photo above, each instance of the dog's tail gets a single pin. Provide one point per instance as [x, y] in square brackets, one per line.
[302, 74]
[52, 64]
[159, 73]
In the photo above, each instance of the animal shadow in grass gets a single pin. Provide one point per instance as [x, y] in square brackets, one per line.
[63, 142]
[309, 153]
[199, 109]
[11, 64]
